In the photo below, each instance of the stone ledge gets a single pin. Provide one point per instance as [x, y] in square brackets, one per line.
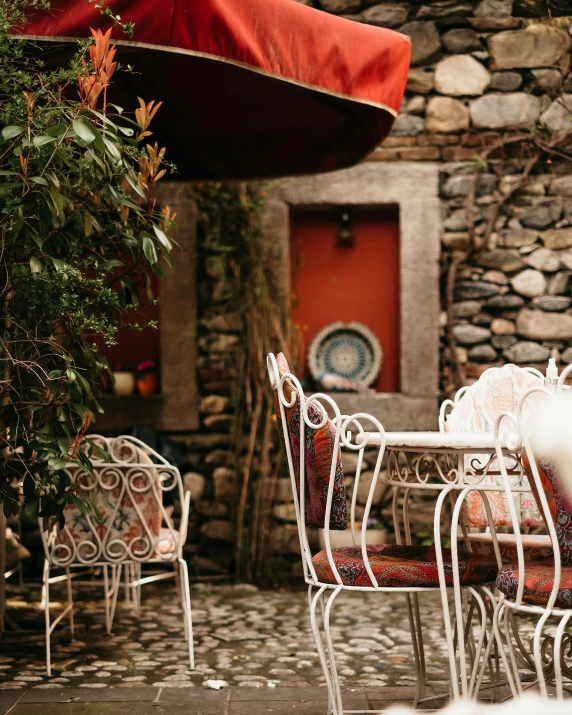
[395, 411]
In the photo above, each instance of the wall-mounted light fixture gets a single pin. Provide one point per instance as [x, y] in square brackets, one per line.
[345, 234]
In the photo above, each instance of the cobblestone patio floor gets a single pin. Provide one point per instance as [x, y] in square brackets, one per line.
[246, 637]
[258, 642]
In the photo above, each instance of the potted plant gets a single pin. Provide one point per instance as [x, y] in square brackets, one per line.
[147, 377]
[123, 381]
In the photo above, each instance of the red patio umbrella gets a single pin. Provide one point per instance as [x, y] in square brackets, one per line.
[251, 88]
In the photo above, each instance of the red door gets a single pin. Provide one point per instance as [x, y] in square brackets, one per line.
[331, 283]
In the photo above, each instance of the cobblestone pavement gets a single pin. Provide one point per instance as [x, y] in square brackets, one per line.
[258, 642]
[246, 637]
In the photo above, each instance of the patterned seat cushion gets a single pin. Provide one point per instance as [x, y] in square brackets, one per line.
[128, 498]
[167, 543]
[319, 450]
[538, 583]
[535, 546]
[559, 503]
[394, 566]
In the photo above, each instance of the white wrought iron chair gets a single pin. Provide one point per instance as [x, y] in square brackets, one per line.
[312, 444]
[541, 588]
[475, 409]
[127, 486]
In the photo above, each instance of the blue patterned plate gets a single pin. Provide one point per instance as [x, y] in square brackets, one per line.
[349, 350]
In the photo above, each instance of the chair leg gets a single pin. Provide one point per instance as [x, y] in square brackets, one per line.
[70, 602]
[136, 589]
[537, 651]
[116, 586]
[475, 648]
[106, 596]
[418, 646]
[46, 599]
[558, 655]
[111, 593]
[509, 667]
[333, 707]
[510, 626]
[489, 658]
[128, 580]
[177, 579]
[331, 652]
[187, 613]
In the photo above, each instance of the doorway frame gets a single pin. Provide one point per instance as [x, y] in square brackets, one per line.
[414, 189]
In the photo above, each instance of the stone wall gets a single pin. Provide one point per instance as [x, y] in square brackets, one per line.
[210, 542]
[479, 69]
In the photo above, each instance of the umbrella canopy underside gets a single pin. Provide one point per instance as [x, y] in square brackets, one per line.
[251, 88]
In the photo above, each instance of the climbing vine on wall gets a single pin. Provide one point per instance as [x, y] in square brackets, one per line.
[229, 232]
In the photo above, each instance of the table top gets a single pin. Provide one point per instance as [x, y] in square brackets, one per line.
[442, 441]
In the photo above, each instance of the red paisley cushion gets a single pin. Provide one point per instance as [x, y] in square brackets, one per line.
[559, 503]
[319, 455]
[395, 565]
[538, 583]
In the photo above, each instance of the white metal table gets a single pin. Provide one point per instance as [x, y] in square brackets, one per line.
[451, 465]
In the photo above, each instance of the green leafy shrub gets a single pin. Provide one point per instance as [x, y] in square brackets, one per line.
[79, 231]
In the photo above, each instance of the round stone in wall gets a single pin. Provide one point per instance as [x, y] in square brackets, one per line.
[501, 260]
[530, 283]
[550, 80]
[445, 115]
[557, 238]
[567, 355]
[505, 81]
[339, 6]
[482, 354]
[557, 117]
[559, 283]
[420, 80]
[502, 342]
[517, 237]
[461, 75]
[387, 14]
[500, 111]
[493, 8]
[539, 325]
[543, 259]
[552, 303]
[408, 125]
[470, 334]
[526, 352]
[500, 326]
[544, 213]
[425, 41]
[465, 309]
[566, 259]
[470, 290]
[504, 302]
[461, 40]
[495, 277]
[562, 186]
[536, 46]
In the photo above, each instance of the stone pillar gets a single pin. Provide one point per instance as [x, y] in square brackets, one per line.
[178, 316]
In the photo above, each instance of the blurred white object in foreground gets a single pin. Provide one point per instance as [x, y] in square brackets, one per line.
[551, 437]
[525, 705]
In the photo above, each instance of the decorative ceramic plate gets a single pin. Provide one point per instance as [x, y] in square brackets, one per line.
[347, 349]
